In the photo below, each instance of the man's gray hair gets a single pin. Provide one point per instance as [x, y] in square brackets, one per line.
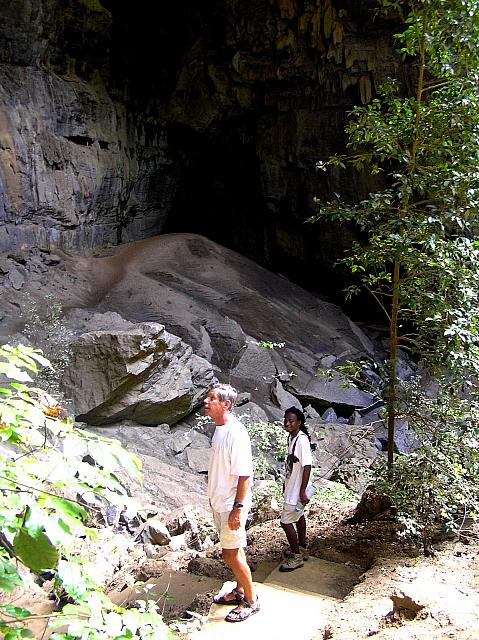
[226, 392]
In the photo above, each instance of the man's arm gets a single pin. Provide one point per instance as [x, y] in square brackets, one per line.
[241, 491]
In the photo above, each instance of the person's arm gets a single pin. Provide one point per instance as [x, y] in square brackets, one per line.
[241, 491]
[304, 483]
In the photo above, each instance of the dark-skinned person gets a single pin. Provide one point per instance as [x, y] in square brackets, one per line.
[230, 478]
[297, 489]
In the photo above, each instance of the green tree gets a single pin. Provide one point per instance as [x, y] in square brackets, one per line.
[417, 255]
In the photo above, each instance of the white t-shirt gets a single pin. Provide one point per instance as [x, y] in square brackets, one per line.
[302, 450]
[230, 458]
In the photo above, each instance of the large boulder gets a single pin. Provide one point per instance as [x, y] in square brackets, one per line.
[324, 390]
[142, 373]
[341, 448]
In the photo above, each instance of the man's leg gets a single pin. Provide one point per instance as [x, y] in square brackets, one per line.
[236, 561]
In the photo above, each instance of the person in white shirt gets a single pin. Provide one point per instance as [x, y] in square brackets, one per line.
[230, 477]
[297, 488]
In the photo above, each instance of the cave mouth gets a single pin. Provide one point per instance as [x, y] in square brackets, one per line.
[220, 196]
[219, 192]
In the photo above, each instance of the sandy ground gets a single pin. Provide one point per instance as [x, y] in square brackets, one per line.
[391, 591]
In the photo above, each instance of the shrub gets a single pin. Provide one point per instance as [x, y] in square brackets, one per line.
[434, 488]
[43, 459]
[269, 445]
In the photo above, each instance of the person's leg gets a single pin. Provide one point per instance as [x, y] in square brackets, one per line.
[289, 518]
[301, 529]
[236, 561]
[292, 536]
[219, 520]
[232, 544]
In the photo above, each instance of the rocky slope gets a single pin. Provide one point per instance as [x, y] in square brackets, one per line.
[151, 325]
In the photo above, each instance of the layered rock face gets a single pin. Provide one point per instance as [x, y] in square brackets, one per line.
[74, 163]
[118, 123]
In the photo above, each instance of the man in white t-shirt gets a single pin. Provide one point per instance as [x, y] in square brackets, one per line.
[230, 477]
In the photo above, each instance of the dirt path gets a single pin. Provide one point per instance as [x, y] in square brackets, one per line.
[293, 604]
[360, 583]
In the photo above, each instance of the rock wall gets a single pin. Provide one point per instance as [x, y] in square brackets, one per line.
[120, 122]
[77, 170]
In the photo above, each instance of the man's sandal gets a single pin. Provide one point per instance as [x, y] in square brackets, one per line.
[238, 598]
[242, 612]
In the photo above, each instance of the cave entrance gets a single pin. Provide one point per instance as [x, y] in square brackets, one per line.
[219, 193]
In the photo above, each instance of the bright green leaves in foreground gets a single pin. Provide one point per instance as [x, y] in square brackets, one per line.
[49, 492]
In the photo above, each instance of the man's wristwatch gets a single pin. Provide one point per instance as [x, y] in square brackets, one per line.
[237, 505]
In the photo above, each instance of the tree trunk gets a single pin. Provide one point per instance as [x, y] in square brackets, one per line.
[393, 347]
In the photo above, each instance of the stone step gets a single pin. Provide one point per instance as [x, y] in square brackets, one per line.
[294, 604]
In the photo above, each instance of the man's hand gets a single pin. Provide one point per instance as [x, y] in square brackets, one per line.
[234, 519]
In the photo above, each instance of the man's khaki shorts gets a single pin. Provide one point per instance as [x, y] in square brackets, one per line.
[290, 515]
[230, 539]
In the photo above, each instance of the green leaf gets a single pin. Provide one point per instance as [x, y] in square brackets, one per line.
[14, 373]
[67, 508]
[72, 578]
[36, 355]
[9, 577]
[15, 612]
[35, 550]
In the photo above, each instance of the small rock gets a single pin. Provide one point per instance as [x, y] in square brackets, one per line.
[4, 265]
[51, 259]
[329, 415]
[18, 257]
[198, 459]
[157, 532]
[355, 418]
[16, 277]
[153, 552]
[311, 413]
[179, 443]
[328, 361]
[178, 543]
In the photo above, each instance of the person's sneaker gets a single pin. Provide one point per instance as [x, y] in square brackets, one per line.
[305, 553]
[295, 561]
[287, 553]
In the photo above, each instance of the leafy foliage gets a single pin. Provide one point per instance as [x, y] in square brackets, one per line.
[269, 444]
[435, 487]
[418, 256]
[50, 495]
[268, 344]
